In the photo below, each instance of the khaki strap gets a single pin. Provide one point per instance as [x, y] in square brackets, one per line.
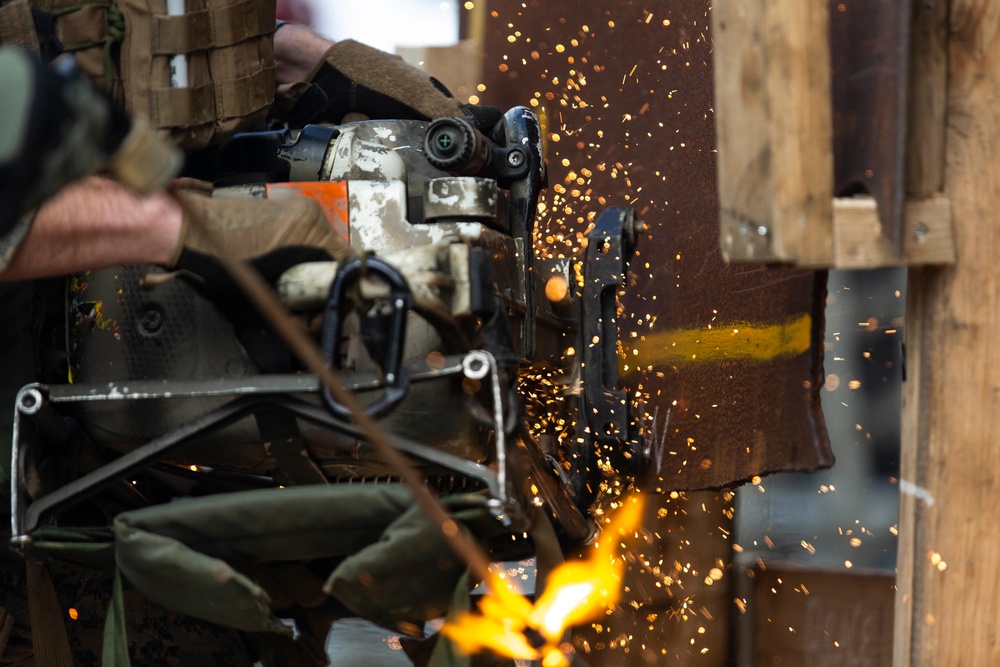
[238, 97]
[220, 100]
[212, 28]
[6, 626]
[183, 107]
[48, 631]
[17, 26]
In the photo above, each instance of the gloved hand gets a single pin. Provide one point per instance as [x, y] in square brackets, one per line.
[209, 277]
[249, 228]
[273, 235]
[353, 78]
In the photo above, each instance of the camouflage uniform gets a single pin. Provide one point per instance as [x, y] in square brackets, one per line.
[158, 637]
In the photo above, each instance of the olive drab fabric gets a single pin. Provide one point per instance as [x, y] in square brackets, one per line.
[369, 582]
[204, 556]
[127, 46]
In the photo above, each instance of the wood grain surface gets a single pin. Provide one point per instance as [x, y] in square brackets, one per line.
[949, 583]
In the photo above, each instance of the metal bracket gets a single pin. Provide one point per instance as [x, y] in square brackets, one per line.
[609, 247]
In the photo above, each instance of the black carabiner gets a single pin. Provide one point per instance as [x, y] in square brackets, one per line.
[396, 381]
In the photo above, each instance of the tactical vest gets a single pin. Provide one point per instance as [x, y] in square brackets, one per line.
[128, 48]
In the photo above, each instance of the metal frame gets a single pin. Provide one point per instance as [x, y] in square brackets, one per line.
[37, 406]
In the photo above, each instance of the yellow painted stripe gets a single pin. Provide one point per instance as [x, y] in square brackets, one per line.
[750, 341]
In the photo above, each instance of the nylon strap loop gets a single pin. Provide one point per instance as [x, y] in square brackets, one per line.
[237, 97]
[212, 28]
[48, 630]
[183, 107]
[222, 100]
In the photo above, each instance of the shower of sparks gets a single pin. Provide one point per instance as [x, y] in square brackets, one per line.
[576, 592]
[601, 109]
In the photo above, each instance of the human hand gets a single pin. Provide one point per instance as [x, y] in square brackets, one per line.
[272, 236]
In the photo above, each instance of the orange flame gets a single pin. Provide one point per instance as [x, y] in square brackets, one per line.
[576, 592]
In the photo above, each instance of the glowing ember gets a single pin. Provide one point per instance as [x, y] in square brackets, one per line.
[576, 592]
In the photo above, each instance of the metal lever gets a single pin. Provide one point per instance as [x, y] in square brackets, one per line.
[400, 303]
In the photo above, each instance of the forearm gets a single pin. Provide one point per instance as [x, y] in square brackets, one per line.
[96, 223]
[297, 52]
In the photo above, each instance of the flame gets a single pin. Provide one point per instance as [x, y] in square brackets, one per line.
[576, 592]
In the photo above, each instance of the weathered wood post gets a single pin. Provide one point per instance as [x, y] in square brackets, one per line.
[948, 579]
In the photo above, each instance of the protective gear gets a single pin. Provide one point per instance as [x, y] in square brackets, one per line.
[353, 78]
[135, 49]
[228, 53]
[249, 228]
[207, 275]
[274, 236]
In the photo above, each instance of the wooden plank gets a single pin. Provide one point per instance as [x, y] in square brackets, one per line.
[925, 168]
[927, 99]
[774, 126]
[859, 242]
[949, 585]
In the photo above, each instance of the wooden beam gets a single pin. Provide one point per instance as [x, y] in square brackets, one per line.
[948, 581]
[927, 99]
[774, 124]
[859, 244]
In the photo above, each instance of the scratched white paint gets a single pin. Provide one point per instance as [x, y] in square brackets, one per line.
[385, 133]
[377, 213]
[354, 159]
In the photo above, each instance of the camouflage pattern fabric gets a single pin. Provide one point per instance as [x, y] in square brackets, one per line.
[158, 637]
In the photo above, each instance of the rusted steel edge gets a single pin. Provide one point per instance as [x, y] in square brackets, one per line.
[298, 340]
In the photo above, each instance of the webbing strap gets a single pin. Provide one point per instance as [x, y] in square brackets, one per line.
[48, 631]
[212, 28]
[183, 107]
[238, 97]
[211, 102]
[17, 26]
[115, 649]
[6, 626]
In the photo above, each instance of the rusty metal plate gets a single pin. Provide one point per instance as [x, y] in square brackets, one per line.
[869, 56]
[727, 358]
